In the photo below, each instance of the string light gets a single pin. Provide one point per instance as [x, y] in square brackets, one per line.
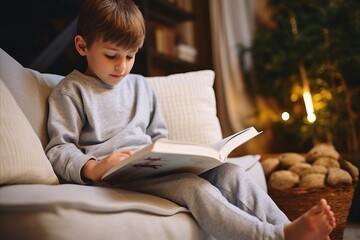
[309, 106]
[311, 117]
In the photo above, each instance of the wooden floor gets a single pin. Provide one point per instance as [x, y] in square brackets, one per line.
[352, 231]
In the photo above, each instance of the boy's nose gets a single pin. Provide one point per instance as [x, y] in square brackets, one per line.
[120, 66]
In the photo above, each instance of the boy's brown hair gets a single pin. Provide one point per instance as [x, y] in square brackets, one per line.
[117, 21]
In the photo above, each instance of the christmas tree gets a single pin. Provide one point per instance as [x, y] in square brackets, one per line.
[311, 52]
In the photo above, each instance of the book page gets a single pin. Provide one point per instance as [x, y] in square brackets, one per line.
[165, 157]
[228, 144]
[159, 164]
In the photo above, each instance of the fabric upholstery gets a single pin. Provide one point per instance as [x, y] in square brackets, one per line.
[70, 211]
[99, 199]
[30, 90]
[189, 106]
[22, 158]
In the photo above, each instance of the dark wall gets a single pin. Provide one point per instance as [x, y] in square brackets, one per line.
[28, 27]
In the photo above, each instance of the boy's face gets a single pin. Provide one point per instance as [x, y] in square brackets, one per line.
[106, 60]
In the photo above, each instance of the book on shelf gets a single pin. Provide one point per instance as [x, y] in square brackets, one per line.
[167, 157]
[186, 52]
[163, 38]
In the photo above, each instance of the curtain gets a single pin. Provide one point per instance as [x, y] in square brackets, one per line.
[233, 24]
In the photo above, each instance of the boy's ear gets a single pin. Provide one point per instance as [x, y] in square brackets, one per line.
[80, 45]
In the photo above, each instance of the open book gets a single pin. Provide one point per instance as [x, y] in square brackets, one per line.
[167, 157]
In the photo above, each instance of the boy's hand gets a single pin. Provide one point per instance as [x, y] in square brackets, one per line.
[94, 170]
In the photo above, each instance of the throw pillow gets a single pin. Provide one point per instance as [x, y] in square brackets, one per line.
[189, 106]
[30, 90]
[22, 158]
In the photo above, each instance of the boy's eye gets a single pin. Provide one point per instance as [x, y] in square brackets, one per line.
[111, 56]
[130, 57]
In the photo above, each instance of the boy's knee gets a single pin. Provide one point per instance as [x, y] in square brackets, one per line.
[190, 182]
[227, 173]
[229, 169]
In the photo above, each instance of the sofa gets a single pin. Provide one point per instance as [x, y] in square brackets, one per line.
[36, 204]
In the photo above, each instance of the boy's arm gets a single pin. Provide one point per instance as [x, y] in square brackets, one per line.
[64, 124]
[157, 128]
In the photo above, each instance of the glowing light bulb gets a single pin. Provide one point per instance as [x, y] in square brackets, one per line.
[311, 118]
[285, 116]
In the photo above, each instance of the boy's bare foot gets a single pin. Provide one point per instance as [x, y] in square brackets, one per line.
[316, 224]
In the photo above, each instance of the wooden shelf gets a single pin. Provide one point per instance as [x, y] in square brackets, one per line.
[171, 21]
[167, 25]
[173, 12]
[173, 60]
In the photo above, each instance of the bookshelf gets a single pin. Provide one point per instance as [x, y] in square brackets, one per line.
[178, 37]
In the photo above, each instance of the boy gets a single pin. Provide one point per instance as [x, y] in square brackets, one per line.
[99, 117]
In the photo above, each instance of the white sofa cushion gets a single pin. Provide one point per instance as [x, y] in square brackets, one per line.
[30, 90]
[22, 159]
[71, 211]
[189, 106]
[36, 197]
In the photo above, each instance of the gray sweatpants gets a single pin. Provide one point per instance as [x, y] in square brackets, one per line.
[225, 202]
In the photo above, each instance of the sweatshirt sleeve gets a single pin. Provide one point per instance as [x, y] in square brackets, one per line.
[65, 122]
[157, 128]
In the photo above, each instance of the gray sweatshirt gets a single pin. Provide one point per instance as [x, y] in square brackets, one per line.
[91, 119]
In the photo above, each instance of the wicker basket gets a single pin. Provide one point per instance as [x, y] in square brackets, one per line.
[296, 201]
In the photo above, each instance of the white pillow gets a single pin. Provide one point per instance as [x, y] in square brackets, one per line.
[22, 158]
[189, 106]
[30, 90]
